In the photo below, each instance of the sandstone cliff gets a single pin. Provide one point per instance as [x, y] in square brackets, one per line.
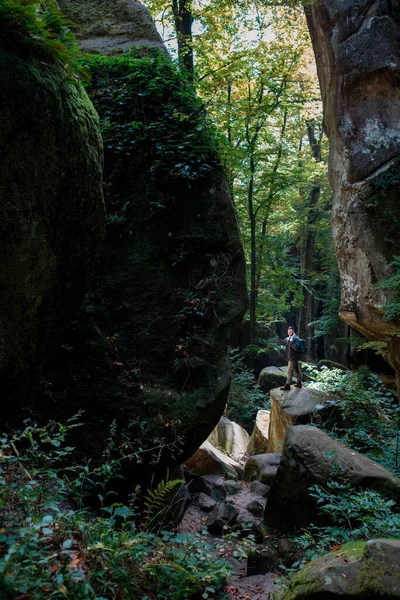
[357, 51]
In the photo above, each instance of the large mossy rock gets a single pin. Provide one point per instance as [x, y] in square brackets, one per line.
[357, 45]
[297, 407]
[149, 347]
[363, 570]
[312, 457]
[51, 212]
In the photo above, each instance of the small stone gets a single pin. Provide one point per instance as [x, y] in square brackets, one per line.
[256, 507]
[284, 546]
[209, 485]
[206, 503]
[222, 515]
[262, 560]
[260, 489]
[232, 488]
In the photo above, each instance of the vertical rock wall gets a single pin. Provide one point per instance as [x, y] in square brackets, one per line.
[357, 50]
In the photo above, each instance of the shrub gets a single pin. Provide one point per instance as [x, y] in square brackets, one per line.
[245, 397]
[371, 414]
[49, 549]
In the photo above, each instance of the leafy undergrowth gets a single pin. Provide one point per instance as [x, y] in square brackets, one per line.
[369, 414]
[246, 397]
[36, 27]
[49, 548]
[369, 423]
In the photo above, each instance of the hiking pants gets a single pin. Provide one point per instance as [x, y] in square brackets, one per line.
[293, 365]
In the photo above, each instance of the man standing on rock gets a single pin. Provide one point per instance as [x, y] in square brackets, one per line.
[292, 347]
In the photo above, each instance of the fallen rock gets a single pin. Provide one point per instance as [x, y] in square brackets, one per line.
[256, 487]
[310, 457]
[256, 507]
[294, 407]
[232, 488]
[210, 485]
[206, 503]
[229, 437]
[222, 515]
[258, 442]
[207, 460]
[262, 467]
[262, 560]
[271, 377]
[363, 570]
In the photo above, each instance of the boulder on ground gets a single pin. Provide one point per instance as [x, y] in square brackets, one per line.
[232, 488]
[363, 570]
[207, 460]
[259, 438]
[222, 515]
[229, 437]
[310, 457]
[262, 560]
[256, 507]
[206, 503]
[272, 377]
[262, 467]
[297, 406]
[211, 485]
[256, 487]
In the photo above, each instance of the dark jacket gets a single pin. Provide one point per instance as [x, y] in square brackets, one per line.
[292, 348]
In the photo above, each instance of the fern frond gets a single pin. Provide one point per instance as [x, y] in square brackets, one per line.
[155, 501]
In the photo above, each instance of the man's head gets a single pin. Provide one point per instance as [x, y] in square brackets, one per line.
[290, 331]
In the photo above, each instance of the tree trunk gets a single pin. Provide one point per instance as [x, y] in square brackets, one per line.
[306, 313]
[183, 19]
[253, 254]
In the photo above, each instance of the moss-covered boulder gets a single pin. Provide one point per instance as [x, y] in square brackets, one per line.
[363, 570]
[311, 457]
[147, 353]
[272, 377]
[51, 210]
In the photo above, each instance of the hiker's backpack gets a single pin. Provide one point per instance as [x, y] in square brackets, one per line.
[302, 349]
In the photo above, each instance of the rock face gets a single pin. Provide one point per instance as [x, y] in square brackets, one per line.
[51, 212]
[229, 437]
[366, 570]
[310, 456]
[109, 25]
[294, 407]
[361, 112]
